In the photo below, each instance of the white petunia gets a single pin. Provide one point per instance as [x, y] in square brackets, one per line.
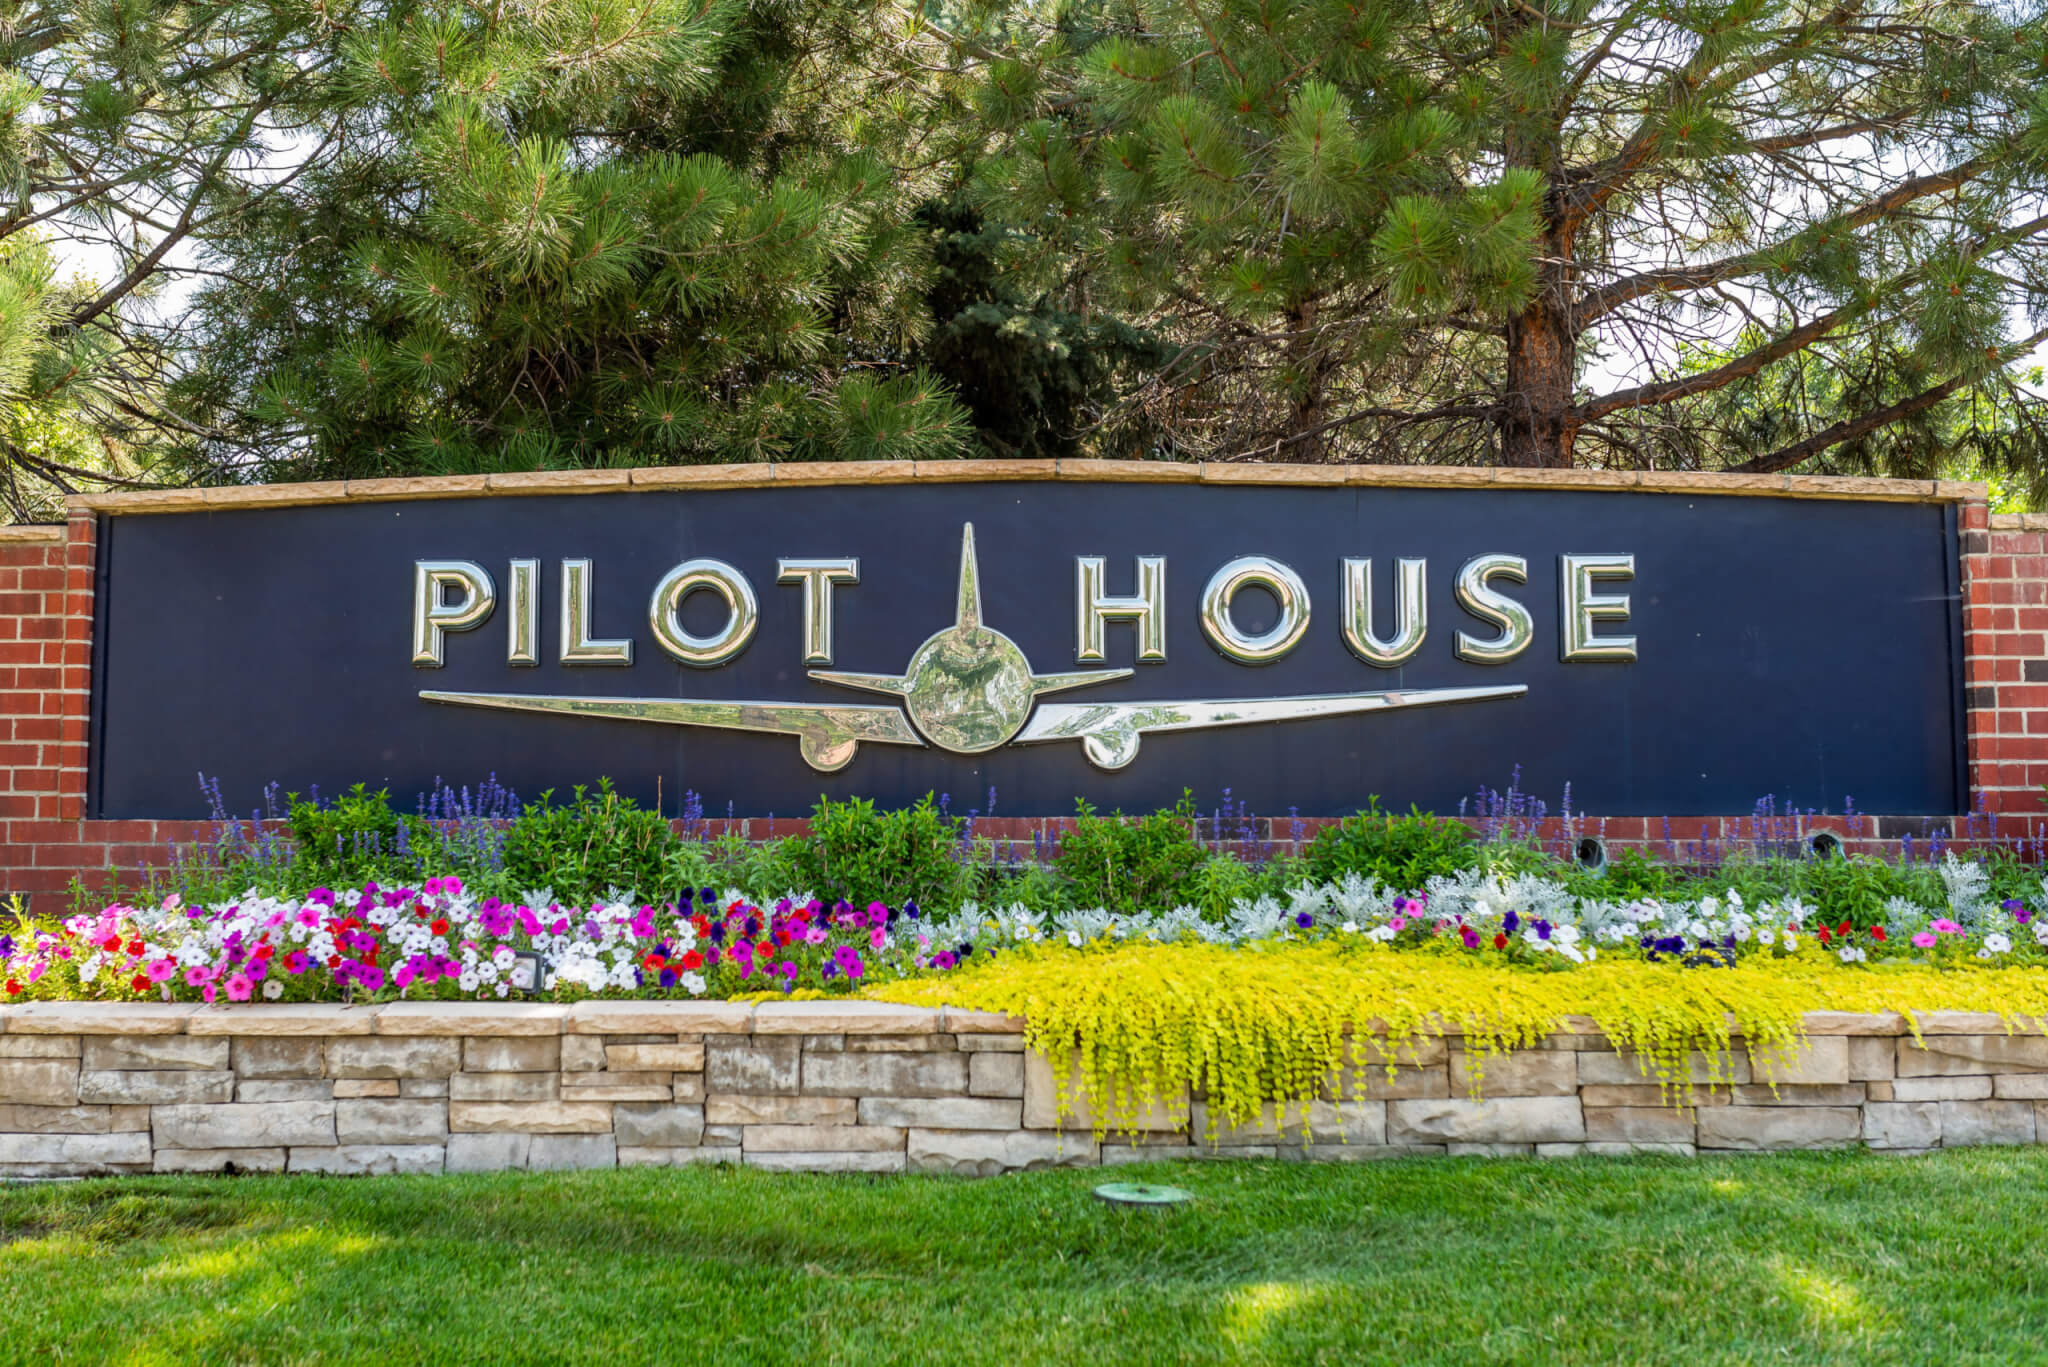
[1997, 943]
[272, 989]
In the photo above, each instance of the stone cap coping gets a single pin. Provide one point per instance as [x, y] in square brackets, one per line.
[2019, 522]
[759, 476]
[852, 1016]
[33, 531]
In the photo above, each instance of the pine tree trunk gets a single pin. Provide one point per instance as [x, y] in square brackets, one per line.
[1537, 427]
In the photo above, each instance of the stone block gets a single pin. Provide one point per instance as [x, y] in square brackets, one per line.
[654, 1058]
[821, 1139]
[779, 1110]
[498, 1152]
[763, 1067]
[657, 1126]
[639, 1156]
[352, 1088]
[838, 1160]
[1822, 1060]
[1902, 1125]
[536, 1055]
[369, 1160]
[844, 1018]
[1941, 1088]
[39, 1081]
[989, 1044]
[98, 1018]
[660, 1018]
[39, 1046]
[984, 1153]
[281, 1089]
[81, 1153]
[959, 1020]
[1965, 1123]
[394, 1056]
[1316, 1122]
[582, 1053]
[885, 1075]
[126, 1118]
[995, 1074]
[2020, 1086]
[560, 1152]
[1840, 1094]
[729, 1136]
[1778, 1127]
[219, 1160]
[245, 1125]
[1491, 1150]
[824, 1044]
[59, 1119]
[422, 1087]
[154, 1088]
[1403, 1084]
[1854, 1023]
[616, 1087]
[531, 1117]
[1499, 1120]
[1638, 1125]
[286, 1018]
[390, 1122]
[492, 1019]
[1355, 1153]
[1526, 1072]
[1631, 1150]
[1042, 1097]
[1650, 1094]
[1961, 1055]
[1617, 1069]
[943, 1113]
[1872, 1058]
[504, 1086]
[1374, 1051]
[279, 1057]
[688, 1087]
[1973, 1023]
[886, 1044]
[1877, 1091]
[107, 1053]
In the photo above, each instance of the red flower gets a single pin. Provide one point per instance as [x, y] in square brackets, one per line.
[141, 983]
[781, 937]
[440, 925]
[13, 988]
[700, 925]
[653, 963]
[693, 960]
[334, 961]
[112, 944]
[1500, 941]
[135, 945]
[764, 950]
[265, 950]
[1877, 932]
[1845, 929]
[1822, 931]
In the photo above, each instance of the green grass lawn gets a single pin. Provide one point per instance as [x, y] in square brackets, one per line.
[1844, 1258]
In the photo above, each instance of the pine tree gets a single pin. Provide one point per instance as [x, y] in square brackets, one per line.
[1406, 230]
[596, 233]
[132, 129]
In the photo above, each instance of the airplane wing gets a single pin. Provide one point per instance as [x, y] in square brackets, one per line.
[1109, 731]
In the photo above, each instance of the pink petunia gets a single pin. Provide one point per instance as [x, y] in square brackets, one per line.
[198, 976]
[1946, 927]
[160, 970]
[1924, 940]
[238, 988]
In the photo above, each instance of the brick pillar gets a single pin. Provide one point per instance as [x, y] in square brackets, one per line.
[2005, 645]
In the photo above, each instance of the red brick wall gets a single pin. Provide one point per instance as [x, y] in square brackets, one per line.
[46, 589]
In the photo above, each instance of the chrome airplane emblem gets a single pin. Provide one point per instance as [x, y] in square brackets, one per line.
[969, 689]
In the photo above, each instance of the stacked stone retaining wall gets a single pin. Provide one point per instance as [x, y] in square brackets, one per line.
[90, 1089]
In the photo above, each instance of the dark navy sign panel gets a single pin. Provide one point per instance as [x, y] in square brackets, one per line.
[1807, 648]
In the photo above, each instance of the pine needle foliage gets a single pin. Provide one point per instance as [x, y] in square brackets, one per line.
[1406, 230]
[595, 234]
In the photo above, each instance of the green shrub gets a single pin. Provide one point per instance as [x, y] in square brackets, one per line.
[862, 855]
[1401, 851]
[351, 840]
[1130, 864]
[597, 841]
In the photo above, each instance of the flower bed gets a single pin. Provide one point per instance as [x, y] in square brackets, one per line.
[1251, 1007]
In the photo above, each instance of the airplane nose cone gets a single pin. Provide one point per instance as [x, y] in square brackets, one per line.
[968, 690]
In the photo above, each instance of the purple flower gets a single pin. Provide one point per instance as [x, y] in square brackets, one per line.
[1304, 920]
[1511, 923]
[2019, 910]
